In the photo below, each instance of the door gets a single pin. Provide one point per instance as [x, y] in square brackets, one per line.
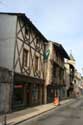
[28, 95]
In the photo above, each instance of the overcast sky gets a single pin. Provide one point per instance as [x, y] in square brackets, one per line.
[58, 20]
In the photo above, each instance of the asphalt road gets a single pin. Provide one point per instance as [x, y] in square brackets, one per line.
[69, 114]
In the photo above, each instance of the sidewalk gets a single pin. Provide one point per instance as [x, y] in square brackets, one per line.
[17, 117]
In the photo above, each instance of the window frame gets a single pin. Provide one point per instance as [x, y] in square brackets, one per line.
[25, 64]
[36, 63]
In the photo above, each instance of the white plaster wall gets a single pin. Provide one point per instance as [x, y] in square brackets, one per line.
[7, 40]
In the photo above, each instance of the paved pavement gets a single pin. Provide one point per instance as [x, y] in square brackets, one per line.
[23, 115]
[68, 114]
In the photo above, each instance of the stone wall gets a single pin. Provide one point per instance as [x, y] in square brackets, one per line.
[5, 90]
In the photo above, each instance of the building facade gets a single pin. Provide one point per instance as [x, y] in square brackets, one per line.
[81, 86]
[69, 76]
[22, 62]
[77, 83]
[32, 68]
[55, 71]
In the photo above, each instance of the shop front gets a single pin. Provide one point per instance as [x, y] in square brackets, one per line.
[36, 94]
[51, 91]
[55, 90]
[18, 95]
[27, 93]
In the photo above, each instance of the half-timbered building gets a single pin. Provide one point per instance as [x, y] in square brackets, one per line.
[21, 57]
[55, 71]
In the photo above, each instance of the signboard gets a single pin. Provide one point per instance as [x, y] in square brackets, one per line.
[46, 54]
[18, 86]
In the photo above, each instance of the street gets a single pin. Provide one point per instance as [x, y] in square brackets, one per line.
[71, 113]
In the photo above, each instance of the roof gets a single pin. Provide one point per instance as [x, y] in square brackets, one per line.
[61, 50]
[28, 21]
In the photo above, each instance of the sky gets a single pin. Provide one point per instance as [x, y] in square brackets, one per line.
[57, 20]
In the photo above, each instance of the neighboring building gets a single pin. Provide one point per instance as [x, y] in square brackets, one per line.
[21, 62]
[69, 76]
[82, 80]
[77, 83]
[55, 71]
[81, 86]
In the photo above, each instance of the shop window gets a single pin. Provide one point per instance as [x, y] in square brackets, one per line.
[35, 94]
[25, 57]
[18, 94]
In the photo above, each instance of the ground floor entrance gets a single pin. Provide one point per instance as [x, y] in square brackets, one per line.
[57, 90]
[27, 93]
[50, 93]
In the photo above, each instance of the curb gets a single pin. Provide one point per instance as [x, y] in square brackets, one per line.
[12, 123]
[34, 116]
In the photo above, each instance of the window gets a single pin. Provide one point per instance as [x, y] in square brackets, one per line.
[37, 42]
[54, 70]
[25, 57]
[26, 31]
[18, 94]
[56, 57]
[61, 74]
[35, 94]
[36, 62]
